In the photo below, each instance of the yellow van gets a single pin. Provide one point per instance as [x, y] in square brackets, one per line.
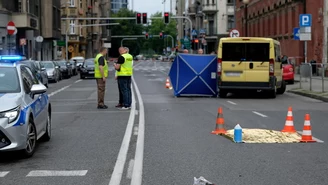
[249, 63]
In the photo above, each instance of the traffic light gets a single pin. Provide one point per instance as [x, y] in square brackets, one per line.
[147, 36]
[144, 18]
[161, 35]
[166, 18]
[138, 18]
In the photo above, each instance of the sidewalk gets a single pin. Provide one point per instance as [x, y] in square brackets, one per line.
[303, 87]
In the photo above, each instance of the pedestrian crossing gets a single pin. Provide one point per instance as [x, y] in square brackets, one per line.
[48, 173]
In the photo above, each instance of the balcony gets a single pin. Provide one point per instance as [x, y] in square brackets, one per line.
[210, 8]
[69, 12]
[25, 20]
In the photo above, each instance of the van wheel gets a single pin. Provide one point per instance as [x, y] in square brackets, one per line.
[282, 89]
[223, 94]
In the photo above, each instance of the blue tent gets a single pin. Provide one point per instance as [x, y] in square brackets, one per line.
[194, 75]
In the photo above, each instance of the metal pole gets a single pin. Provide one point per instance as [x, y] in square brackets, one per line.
[323, 77]
[310, 77]
[305, 52]
[172, 40]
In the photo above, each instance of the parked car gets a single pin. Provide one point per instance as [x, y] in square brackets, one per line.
[74, 67]
[57, 66]
[65, 68]
[52, 70]
[88, 69]
[40, 72]
[79, 61]
[25, 109]
[288, 70]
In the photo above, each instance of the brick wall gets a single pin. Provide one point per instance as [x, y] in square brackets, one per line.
[277, 18]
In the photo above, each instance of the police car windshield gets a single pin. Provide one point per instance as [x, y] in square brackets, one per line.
[9, 82]
[48, 65]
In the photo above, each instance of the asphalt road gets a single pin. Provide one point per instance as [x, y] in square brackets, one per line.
[167, 140]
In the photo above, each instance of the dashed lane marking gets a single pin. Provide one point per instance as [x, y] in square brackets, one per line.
[58, 91]
[48, 173]
[77, 81]
[233, 103]
[130, 169]
[3, 174]
[90, 112]
[135, 130]
[259, 114]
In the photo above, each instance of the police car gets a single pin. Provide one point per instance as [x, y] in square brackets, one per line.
[25, 110]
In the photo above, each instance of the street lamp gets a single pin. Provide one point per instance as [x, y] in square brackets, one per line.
[246, 2]
[85, 25]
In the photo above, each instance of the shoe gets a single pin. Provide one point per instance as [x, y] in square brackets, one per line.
[102, 107]
[125, 108]
[119, 105]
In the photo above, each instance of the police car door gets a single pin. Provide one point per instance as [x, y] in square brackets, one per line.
[36, 103]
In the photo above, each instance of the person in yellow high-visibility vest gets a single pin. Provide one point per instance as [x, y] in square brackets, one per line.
[101, 73]
[124, 72]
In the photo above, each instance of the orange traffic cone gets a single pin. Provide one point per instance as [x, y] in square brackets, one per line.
[167, 84]
[219, 126]
[289, 124]
[307, 133]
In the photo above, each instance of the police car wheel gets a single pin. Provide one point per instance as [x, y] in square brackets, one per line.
[47, 134]
[31, 140]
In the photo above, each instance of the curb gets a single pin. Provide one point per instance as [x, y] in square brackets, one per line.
[314, 96]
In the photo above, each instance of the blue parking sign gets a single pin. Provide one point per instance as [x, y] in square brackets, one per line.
[305, 20]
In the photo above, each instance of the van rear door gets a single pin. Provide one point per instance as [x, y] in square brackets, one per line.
[233, 66]
[257, 61]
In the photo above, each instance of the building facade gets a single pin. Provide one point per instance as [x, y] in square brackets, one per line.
[277, 18]
[83, 38]
[116, 5]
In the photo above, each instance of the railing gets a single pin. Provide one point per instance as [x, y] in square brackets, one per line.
[312, 76]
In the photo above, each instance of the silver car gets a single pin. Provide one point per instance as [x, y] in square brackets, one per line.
[52, 70]
[25, 110]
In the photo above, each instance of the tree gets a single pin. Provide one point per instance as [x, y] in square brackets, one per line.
[126, 27]
[157, 26]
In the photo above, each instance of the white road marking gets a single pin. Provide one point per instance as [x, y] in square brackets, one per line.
[149, 75]
[49, 173]
[262, 115]
[130, 169]
[121, 158]
[137, 112]
[77, 81]
[3, 174]
[314, 138]
[138, 158]
[58, 91]
[233, 103]
[135, 130]
[89, 112]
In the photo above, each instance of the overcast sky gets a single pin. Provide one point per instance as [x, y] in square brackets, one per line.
[149, 6]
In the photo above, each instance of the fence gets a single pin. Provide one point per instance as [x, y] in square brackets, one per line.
[312, 76]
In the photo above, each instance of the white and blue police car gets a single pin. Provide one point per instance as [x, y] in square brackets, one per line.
[25, 110]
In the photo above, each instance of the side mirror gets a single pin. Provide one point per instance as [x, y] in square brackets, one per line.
[56, 67]
[43, 69]
[38, 89]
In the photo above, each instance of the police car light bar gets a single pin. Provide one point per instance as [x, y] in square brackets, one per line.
[11, 57]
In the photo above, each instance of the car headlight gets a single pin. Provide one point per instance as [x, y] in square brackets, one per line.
[12, 114]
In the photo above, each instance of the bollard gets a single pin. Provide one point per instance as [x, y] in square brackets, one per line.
[238, 134]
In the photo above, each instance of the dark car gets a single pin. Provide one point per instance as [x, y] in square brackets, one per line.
[65, 68]
[87, 69]
[39, 70]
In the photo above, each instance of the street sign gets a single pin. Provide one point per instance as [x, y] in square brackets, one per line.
[234, 33]
[296, 32]
[22, 42]
[194, 32]
[305, 20]
[11, 28]
[39, 39]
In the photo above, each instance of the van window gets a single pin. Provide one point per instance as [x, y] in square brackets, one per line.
[277, 52]
[256, 52]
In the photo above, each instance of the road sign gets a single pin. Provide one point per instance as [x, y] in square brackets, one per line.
[234, 33]
[296, 33]
[11, 28]
[194, 32]
[22, 42]
[305, 20]
[39, 39]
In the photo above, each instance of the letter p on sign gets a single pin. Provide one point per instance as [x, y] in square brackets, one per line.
[305, 20]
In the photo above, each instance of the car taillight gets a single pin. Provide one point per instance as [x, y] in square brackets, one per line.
[219, 66]
[271, 67]
[291, 69]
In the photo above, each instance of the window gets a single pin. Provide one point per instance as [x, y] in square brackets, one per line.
[28, 79]
[54, 20]
[72, 3]
[9, 80]
[81, 30]
[72, 27]
[277, 52]
[256, 52]
[230, 2]
[231, 22]
[81, 4]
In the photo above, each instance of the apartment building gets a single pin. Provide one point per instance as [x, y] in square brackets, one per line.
[83, 39]
[278, 18]
[116, 5]
[212, 20]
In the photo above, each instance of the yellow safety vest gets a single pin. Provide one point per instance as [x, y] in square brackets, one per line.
[97, 71]
[127, 66]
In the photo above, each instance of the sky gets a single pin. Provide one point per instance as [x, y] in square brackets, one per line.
[149, 6]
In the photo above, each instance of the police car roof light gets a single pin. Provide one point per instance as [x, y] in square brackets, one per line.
[11, 57]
